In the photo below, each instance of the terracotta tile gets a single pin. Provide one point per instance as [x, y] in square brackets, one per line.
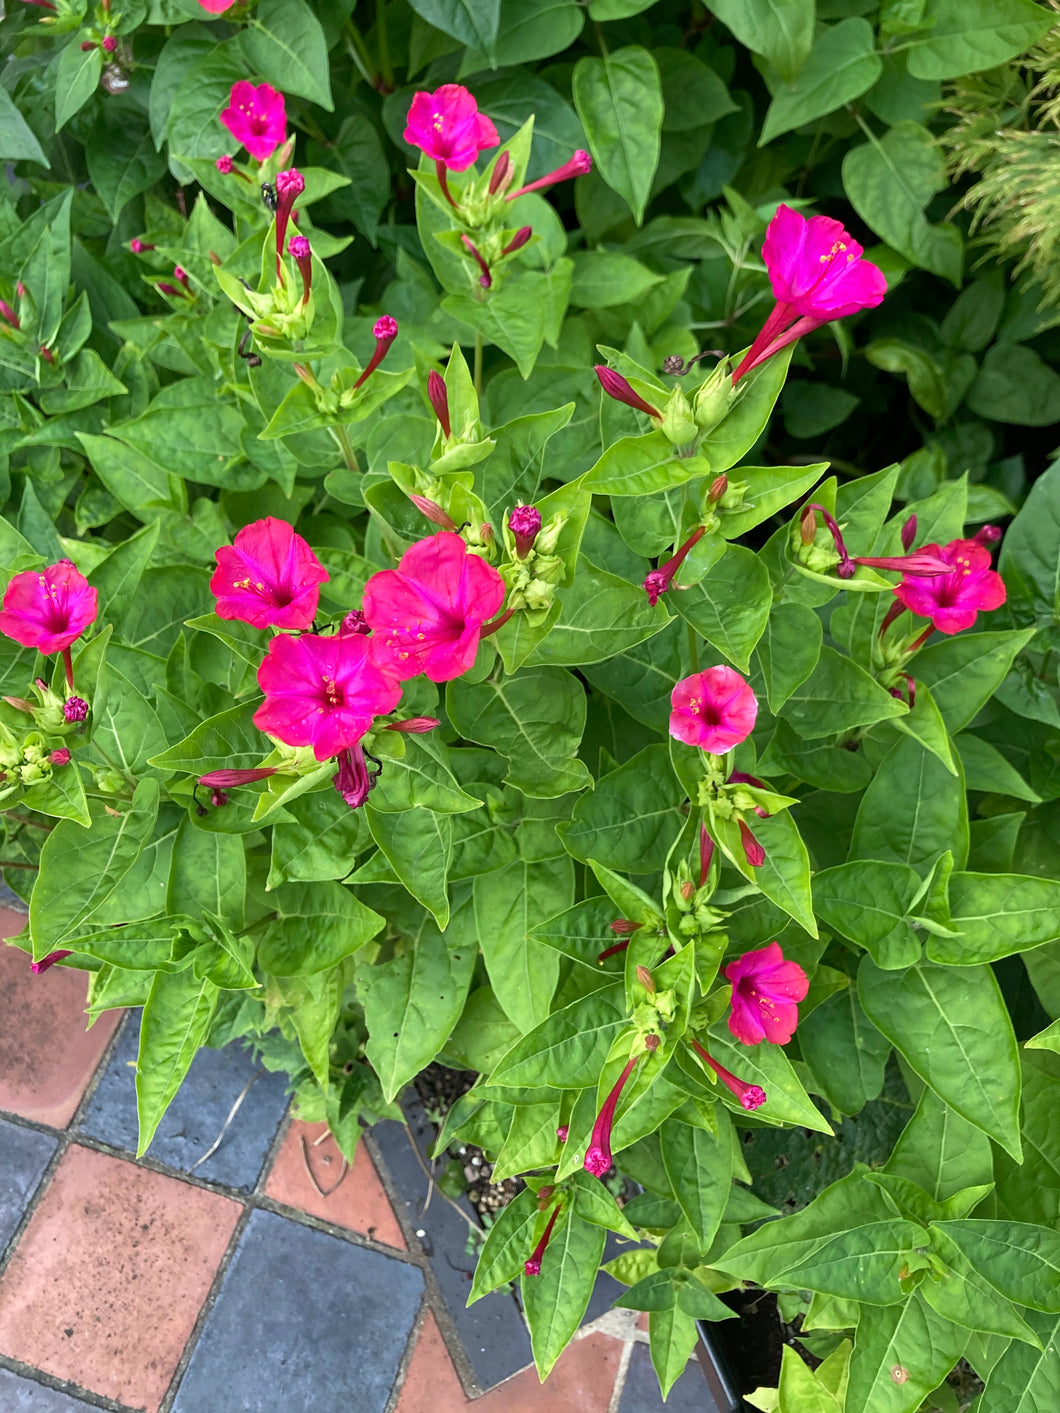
[359, 1202]
[581, 1382]
[431, 1384]
[105, 1286]
[47, 1056]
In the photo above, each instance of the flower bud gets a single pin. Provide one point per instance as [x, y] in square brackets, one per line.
[524, 522]
[438, 395]
[909, 532]
[501, 177]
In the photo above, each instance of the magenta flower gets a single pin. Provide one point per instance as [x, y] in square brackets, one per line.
[49, 961]
[952, 600]
[447, 126]
[617, 387]
[438, 395]
[765, 989]
[714, 710]
[217, 7]
[597, 1159]
[49, 609]
[524, 521]
[578, 165]
[427, 614]
[322, 692]
[256, 117]
[289, 187]
[352, 780]
[751, 1096]
[658, 581]
[384, 331]
[533, 1263]
[818, 274]
[269, 578]
[218, 778]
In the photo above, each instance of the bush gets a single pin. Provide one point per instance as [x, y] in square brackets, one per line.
[454, 611]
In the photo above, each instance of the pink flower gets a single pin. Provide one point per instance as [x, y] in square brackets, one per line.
[352, 780]
[322, 692]
[447, 126]
[289, 187]
[751, 1096]
[49, 609]
[256, 117]
[299, 247]
[597, 1158]
[578, 165]
[108, 44]
[765, 989]
[617, 387]
[269, 578]
[427, 615]
[217, 7]
[818, 274]
[952, 600]
[533, 1264]
[715, 710]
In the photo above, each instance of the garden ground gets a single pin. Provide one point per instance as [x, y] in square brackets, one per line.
[139, 1285]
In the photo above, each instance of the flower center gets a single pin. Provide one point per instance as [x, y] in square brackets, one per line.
[332, 693]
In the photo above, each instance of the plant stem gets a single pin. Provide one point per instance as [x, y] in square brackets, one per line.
[24, 819]
[478, 364]
[12, 863]
[358, 53]
[385, 65]
[346, 447]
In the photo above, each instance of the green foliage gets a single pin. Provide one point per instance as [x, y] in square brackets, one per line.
[526, 889]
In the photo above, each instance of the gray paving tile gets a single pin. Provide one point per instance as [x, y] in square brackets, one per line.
[197, 1114]
[19, 1395]
[689, 1394]
[24, 1155]
[302, 1321]
[492, 1331]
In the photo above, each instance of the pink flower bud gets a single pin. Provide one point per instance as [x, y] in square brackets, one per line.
[525, 523]
[438, 394]
[415, 725]
[60, 757]
[753, 850]
[229, 778]
[533, 1263]
[48, 961]
[617, 387]
[109, 44]
[224, 164]
[751, 1096]
[485, 279]
[384, 331]
[909, 532]
[988, 535]
[580, 164]
[501, 176]
[518, 240]
[434, 512]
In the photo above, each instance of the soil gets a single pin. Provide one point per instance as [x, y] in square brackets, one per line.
[439, 1088]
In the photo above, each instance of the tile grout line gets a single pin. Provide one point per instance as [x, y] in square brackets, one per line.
[620, 1377]
[408, 1354]
[434, 1299]
[45, 1380]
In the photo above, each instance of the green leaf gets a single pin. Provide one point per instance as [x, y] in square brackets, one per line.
[965, 671]
[846, 1053]
[846, 1243]
[630, 820]
[80, 869]
[535, 719]
[730, 605]
[952, 1027]
[913, 810]
[842, 64]
[228, 740]
[788, 650]
[568, 1050]
[767, 1066]
[1019, 1259]
[600, 616]
[121, 157]
[741, 427]
[867, 902]
[619, 100]
[87, 379]
[603, 278]
[1025, 1380]
[133, 479]
[925, 724]
[18, 142]
[412, 1001]
[911, 1337]
[196, 433]
[890, 181]
[964, 36]
[639, 466]
[964, 1296]
[996, 914]
[316, 925]
[837, 696]
[285, 43]
[209, 875]
[986, 769]
[556, 1300]
[942, 1152]
[672, 1335]
[418, 845]
[125, 728]
[522, 971]
[176, 1020]
[76, 79]
[1014, 385]
[473, 22]
[780, 30]
[508, 1243]
[699, 1166]
[1031, 1189]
